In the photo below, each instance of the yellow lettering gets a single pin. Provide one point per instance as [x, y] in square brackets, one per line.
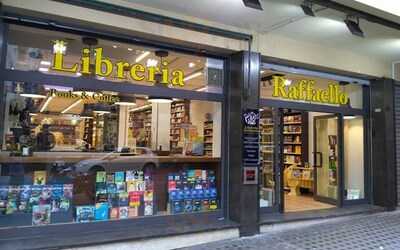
[177, 78]
[121, 66]
[137, 68]
[279, 87]
[85, 61]
[100, 61]
[58, 64]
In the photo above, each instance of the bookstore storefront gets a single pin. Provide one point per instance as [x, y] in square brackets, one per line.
[96, 132]
[314, 140]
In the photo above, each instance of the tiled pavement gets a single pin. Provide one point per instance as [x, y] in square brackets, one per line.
[379, 231]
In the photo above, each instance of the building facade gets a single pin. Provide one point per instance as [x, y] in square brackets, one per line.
[128, 135]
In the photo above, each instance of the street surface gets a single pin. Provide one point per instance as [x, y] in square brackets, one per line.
[380, 231]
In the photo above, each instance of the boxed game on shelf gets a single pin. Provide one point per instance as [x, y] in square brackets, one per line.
[192, 190]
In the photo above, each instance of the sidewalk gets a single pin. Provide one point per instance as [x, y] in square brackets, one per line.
[379, 231]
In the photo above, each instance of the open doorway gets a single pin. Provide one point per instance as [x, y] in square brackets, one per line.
[299, 159]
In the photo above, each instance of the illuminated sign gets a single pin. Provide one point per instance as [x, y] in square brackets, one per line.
[84, 95]
[304, 90]
[104, 67]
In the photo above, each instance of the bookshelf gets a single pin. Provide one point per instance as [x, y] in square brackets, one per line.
[88, 132]
[179, 117]
[140, 123]
[208, 138]
[295, 138]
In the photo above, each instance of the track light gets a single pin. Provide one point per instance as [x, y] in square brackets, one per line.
[254, 4]
[354, 26]
[307, 8]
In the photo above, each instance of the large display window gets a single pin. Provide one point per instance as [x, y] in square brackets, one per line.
[74, 155]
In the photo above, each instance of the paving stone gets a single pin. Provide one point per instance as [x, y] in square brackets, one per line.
[370, 232]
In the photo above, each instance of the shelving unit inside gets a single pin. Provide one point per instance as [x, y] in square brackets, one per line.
[140, 123]
[208, 138]
[179, 118]
[295, 139]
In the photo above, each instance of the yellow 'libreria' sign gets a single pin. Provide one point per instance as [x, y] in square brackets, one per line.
[304, 90]
[105, 68]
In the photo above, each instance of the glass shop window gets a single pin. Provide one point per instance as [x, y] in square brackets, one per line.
[72, 156]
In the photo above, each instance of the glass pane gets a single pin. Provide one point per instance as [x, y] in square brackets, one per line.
[267, 146]
[354, 157]
[32, 49]
[326, 153]
[80, 155]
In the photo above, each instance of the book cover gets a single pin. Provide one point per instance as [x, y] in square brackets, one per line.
[110, 178]
[140, 185]
[14, 192]
[114, 213]
[187, 194]
[4, 192]
[130, 175]
[41, 214]
[12, 206]
[121, 188]
[134, 199]
[205, 204]
[173, 195]
[101, 211]
[196, 205]
[111, 188]
[24, 197]
[131, 186]
[3, 207]
[133, 212]
[65, 204]
[123, 212]
[123, 199]
[57, 192]
[113, 200]
[45, 197]
[188, 205]
[119, 177]
[148, 208]
[85, 213]
[213, 192]
[171, 185]
[36, 192]
[100, 198]
[101, 188]
[101, 176]
[148, 196]
[39, 177]
[177, 206]
[68, 191]
[213, 204]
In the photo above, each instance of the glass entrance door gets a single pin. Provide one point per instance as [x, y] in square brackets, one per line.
[326, 158]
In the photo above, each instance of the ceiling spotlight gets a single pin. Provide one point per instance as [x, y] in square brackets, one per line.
[354, 26]
[254, 4]
[307, 8]
[158, 99]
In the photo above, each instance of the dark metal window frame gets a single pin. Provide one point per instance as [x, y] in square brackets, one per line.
[127, 87]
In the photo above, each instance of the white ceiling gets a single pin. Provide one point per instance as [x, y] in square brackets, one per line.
[286, 18]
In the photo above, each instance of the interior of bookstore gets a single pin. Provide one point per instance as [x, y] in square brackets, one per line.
[305, 151]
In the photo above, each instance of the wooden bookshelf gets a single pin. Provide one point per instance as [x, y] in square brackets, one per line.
[179, 117]
[295, 138]
[88, 133]
[208, 138]
[140, 123]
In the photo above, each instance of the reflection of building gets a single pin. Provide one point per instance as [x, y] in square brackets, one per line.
[131, 145]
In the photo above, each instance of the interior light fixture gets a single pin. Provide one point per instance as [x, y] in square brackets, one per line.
[254, 4]
[158, 99]
[348, 117]
[353, 24]
[126, 101]
[151, 62]
[130, 49]
[45, 63]
[43, 69]
[59, 47]
[142, 56]
[140, 108]
[115, 46]
[71, 106]
[33, 114]
[193, 75]
[46, 103]
[287, 82]
[307, 8]
[191, 65]
[34, 96]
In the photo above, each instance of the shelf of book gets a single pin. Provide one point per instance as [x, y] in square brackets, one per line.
[208, 138]
[179, 117]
